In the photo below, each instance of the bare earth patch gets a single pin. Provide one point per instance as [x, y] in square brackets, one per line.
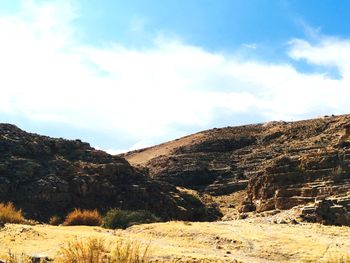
[241, 240]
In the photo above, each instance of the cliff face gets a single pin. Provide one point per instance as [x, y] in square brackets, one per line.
[46, 176]
[280, 164]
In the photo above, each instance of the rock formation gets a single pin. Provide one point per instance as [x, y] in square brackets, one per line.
[46, 176]
[328, 211]
[275, 165]
[284, 164]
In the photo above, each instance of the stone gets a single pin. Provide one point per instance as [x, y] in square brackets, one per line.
[46, 176]
[285, 163]
[326, 212]
[308, 210]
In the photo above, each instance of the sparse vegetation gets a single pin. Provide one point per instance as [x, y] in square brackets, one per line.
[55, 220]
[96, 250]
[83, 217]
[78, 251]
[339, 259]
[9, 214]
[12, 257]
[123, 219]
[129, 252]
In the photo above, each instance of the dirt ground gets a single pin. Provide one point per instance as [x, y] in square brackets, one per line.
[249, 240]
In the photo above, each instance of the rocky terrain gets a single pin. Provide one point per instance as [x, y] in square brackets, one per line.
[260, 167]
[278, 165]
[45, 176]
[285, 184]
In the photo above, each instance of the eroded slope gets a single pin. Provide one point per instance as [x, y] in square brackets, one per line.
[285, 163]
[46, 176]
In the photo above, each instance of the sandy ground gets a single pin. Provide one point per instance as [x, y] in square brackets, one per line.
[241, 240]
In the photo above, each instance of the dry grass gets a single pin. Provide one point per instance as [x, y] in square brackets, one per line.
[129, 252]
[83, 217]
[240, 240]
[55, 220]
[9, 214]
[339, 259]
[95, 250]
[17, 258]
[90, 251]
[13, 257]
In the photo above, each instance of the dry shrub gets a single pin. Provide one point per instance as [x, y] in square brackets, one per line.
[91, 251]
[129, 252]
[9, 214]
[83, 217]
[55, 220]
[95, 250]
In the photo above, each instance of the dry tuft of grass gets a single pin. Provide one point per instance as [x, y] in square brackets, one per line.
[13, 257]
[90, 251]
[129, 252]
[83, 217]
[95, 250]
[339, 259]
[9, 214]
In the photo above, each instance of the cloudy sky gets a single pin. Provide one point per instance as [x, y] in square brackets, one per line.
[128, 74]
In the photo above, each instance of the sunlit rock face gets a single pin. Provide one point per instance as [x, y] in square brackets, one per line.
[46, 176]
[280, 164]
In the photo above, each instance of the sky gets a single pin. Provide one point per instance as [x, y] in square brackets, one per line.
[124, 75]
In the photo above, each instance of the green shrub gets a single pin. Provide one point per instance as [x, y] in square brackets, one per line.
[123, 219]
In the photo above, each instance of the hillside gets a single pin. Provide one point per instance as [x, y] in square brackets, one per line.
[259, 167]
[275, 165]
[266, 182]
[47, 176]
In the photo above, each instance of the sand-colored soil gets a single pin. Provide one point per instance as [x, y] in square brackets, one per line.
[241, 240]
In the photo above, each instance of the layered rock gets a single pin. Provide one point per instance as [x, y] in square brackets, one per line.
[46, 176]
[334, 211]
[285, 163]
[299, 179]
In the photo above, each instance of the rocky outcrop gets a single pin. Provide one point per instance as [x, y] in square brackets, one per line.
[280, 164]
[211, 161]
[46, 176]
[328, 211]
[294, 180]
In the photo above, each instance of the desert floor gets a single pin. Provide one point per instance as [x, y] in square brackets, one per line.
[246, 240]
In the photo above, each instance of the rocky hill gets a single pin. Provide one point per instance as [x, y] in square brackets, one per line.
[260, 167]
[278, 164]
[46, 176]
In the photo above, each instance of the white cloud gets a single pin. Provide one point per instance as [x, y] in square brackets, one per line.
[250, 45]
[46, 75]
[328, 52]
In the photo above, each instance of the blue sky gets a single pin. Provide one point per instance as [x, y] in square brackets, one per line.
[128, 74]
